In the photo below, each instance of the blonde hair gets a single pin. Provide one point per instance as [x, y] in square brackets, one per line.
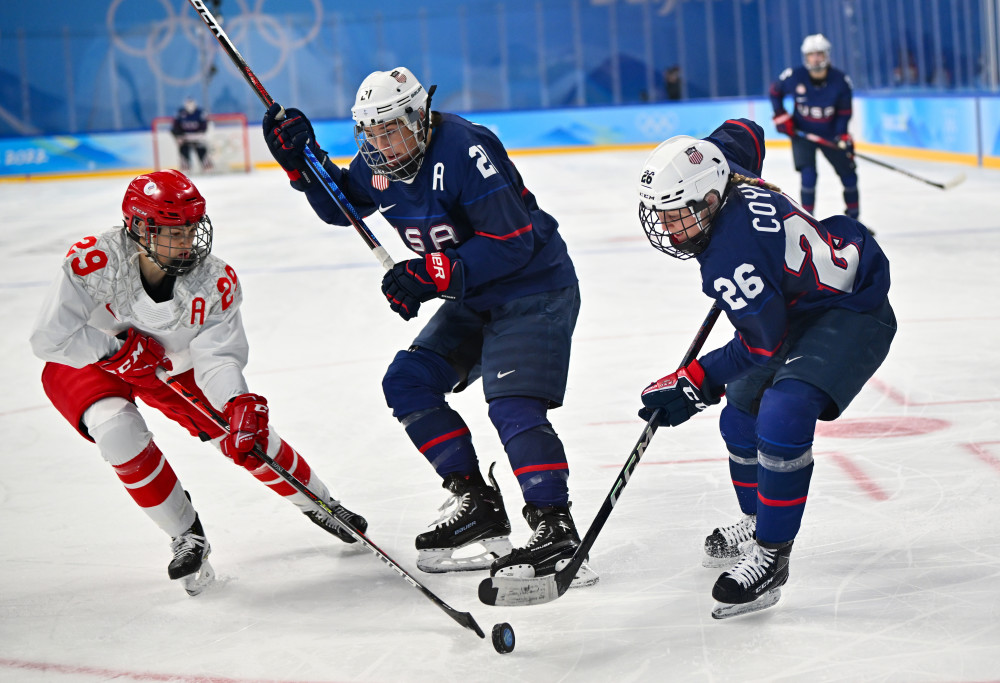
[740, 179]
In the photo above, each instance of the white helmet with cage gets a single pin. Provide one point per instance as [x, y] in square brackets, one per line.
[392, 120]
[681, 188]
[816, 42]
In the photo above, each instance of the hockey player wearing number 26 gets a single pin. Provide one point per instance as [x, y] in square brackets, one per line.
[809, 301]
[146, 295]
[511, 303]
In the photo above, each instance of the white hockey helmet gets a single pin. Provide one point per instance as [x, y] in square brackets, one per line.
[388, 102]
[675, 185]
[817, 42]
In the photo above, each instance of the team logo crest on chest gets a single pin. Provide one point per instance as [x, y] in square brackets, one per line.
[380, 182]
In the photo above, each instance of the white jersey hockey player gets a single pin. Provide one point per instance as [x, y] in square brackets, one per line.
[150, 295]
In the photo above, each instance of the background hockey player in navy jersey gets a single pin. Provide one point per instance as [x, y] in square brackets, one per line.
[822, 101]
[190, 129]
[511, 303]
[150, 294]
[809, 301]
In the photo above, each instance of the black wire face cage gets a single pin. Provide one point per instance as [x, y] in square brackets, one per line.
[405, 165]
[184, 260]
[662, 240]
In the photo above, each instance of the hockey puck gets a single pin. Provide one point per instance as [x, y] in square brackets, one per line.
[503, 638]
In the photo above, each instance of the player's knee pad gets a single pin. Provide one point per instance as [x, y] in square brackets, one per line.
[417, 380]
[787, 419]
[808, 177]
[117, 428]
[513, 415]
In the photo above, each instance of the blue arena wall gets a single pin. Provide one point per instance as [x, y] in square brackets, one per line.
[956, 129]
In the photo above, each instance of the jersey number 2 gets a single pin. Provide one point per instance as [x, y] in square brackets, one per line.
[483, 162]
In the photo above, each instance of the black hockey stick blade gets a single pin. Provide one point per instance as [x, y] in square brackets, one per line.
[512, 591]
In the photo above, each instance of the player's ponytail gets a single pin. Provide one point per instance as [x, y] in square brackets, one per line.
[740, 179]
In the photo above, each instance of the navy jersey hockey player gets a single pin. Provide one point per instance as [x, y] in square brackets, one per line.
[511, 302]
[822, 98]
[809, 302]
[190, 131]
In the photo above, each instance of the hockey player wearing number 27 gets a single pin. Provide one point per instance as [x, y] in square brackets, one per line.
[146, 295]
[511, 303]
[809, 302]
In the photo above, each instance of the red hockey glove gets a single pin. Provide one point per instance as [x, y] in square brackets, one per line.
[783, 122]
[680, 396]
[410, 283]
[247, 418]
[136, 361]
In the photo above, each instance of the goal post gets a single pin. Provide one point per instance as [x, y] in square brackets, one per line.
[227, 139]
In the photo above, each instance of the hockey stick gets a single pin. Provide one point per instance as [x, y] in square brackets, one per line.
[515, 592]
[335, 193]
[463, 618]
[812, 137]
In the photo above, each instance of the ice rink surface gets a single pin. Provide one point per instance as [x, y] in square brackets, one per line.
[895, 575]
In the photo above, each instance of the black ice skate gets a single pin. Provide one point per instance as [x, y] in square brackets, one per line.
[473, 518]
[549, 549]
[726, 544]
[190, 564]
[322, 519]
[754, 583]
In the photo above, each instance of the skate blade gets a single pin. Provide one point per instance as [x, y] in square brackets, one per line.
[443, 560]
[200, 580]
[727, 611]
[585, 576]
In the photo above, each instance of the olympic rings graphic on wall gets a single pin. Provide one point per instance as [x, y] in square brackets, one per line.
[159, 34]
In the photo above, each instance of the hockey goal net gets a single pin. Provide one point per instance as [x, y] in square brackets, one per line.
[227, 140]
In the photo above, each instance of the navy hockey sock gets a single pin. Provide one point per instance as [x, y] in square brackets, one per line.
[442, 436]
[739, 432]
[785, 427]
[534, 449]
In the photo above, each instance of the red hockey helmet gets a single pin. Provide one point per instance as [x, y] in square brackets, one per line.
[166, 199]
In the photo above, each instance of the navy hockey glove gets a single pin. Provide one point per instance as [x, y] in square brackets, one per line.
[410, 283]
[680, 395]
[846, 143]
[137, 360]
[783, 122]
[247, 415]
[286, 139]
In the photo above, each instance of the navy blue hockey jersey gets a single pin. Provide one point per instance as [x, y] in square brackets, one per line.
[823, 108]
[186, 122]
[770, 261]
[469, 201]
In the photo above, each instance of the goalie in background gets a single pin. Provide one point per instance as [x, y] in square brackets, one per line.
[809, 302]
[145, 295]
[190, 131]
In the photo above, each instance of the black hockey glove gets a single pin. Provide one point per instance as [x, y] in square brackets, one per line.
[287, 139]
[679, 395]
[410, 283]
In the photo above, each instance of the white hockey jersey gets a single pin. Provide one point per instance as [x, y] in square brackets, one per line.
[99, 294]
